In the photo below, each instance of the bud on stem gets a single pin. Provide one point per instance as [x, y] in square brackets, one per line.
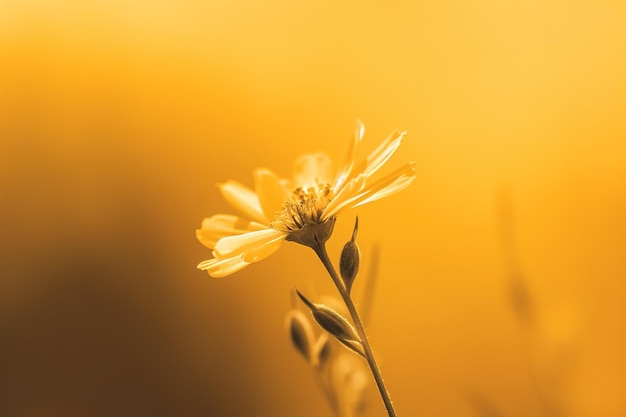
[335, 324]
[350, 259]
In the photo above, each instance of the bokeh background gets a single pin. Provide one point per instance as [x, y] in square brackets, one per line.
[502, 271]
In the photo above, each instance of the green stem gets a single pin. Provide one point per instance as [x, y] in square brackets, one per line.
[320, 250]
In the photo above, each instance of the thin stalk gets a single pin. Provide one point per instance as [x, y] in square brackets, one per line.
[321, 252]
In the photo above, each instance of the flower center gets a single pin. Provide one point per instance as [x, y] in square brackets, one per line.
[305, 207]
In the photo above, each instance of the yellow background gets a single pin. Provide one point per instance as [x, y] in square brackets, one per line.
[118, 117]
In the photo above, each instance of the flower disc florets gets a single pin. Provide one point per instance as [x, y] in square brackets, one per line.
[305, 207]
[302, 216]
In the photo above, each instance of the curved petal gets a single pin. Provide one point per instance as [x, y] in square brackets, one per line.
[311, 169]
[243, 199]
[376, 159]
[349, 190]
[240, 244]
[221, 225]
[258, 253]
[349, 156]
[386, 186]
[218, 268]
[270, 191]
[399, 184]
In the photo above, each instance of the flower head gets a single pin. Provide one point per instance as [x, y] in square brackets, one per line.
[280, 209]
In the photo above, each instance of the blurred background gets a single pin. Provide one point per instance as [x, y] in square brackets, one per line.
[501, 282]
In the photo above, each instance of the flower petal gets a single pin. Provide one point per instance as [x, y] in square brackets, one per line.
[399, 184]
[219, 268]
[384, 187]
[243, 199]
[311, 169]
[221, 225]
[381, 154]
[347, 162]
[270, 191]
[258, 253]
[240, 244]
[349, 190]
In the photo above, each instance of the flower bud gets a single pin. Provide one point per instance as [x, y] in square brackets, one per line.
[350, 259]
[335, 324]
[300, 333]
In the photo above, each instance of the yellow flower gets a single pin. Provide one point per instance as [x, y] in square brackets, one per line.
[279, 207]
